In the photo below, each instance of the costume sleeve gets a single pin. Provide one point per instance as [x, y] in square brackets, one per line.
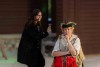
[77, 45]
[56, 47]
[44, 34]
[37, 36]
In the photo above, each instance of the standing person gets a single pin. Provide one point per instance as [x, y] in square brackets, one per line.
[68, 44]
[29, 50]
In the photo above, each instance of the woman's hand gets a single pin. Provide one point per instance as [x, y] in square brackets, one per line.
[49, 30]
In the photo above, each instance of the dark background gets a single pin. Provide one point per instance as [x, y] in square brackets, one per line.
[86, 13]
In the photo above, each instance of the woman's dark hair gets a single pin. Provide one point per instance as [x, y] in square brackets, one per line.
[35, 12]
[31, 18]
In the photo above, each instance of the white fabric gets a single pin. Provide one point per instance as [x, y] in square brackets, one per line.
[64, 45]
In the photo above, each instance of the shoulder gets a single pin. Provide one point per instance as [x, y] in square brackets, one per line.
[75, 37]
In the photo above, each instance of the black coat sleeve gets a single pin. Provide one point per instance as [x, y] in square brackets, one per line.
[36, 35]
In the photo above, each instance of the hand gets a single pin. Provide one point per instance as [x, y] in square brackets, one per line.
[67, 37]
[67, 52]
[49, 30]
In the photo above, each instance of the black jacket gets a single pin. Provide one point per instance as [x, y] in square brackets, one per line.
[29, 51]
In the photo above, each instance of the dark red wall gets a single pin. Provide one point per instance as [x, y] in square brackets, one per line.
[86, 13]
[13, 15]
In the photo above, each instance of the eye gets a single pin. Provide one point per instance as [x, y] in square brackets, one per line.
[68, 29]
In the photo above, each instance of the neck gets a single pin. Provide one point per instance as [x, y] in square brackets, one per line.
[70, 35]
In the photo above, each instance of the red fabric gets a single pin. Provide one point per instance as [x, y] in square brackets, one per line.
[58, 62]
[70, 62]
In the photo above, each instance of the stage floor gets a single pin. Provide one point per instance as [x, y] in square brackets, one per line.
[90, 61]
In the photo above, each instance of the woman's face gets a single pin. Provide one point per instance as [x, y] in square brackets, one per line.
[38, 17]
[68, 31]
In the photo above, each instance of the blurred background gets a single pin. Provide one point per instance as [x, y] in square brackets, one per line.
[15, 13]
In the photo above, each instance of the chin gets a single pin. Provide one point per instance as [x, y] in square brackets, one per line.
[39, 20]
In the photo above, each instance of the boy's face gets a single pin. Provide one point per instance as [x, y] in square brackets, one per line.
[68, 31]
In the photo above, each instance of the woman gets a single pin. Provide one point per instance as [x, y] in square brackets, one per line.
[68, 44]
[29, 51]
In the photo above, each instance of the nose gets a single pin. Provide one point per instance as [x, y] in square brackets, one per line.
[67, 30]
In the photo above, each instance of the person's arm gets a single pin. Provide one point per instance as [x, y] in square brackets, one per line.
[71, 47]
[56, 51]
[74, 48]
[59, 53]
[33, 33]
[44, 34]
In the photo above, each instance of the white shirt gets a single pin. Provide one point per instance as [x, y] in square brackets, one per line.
[62, 45]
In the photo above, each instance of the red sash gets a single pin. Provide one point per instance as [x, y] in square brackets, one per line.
[65, 61]
[71, 61]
